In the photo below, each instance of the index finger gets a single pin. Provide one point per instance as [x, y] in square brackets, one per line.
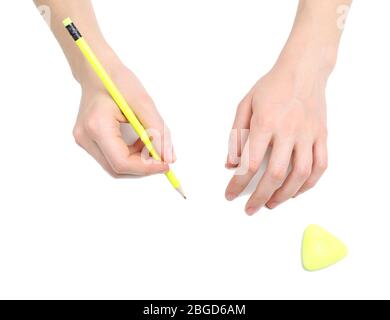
[274, 176]
[122, 160]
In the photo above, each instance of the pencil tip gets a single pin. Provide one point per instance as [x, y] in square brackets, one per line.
[180, 190]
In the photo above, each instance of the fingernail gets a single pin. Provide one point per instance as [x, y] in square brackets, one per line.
[168, 158]
[272, 205]
[251, 211]
[231, 196]
[230, 166]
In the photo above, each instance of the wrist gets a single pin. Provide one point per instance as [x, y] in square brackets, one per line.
[307, 64]
[314, 39]
[83, 72]
[302, 55]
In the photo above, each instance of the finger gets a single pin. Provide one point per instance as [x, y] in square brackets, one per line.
[230, 162]
[320, 164]
[169, 150]
[122, 161]
[174, 154]
[93, 150]
[239, 132]
[274, 176]
[138, 146]
[252, 157]
[148, 114]
[301, 170]
[159, 133]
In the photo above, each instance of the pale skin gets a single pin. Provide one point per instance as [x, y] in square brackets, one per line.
[285, 110]
[97, 128]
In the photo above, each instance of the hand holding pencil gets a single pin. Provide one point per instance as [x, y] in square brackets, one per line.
[131, 161]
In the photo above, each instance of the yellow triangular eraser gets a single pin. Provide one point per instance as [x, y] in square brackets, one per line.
[320, 249]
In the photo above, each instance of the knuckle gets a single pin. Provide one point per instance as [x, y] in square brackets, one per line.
[78, 134]
[303, 171]
[235, 185]
[242, 106]
[265, 123]
[258, 199]
[278, 173]
[292, 122]
[310, 184]
[119, 166]
[253, 166]
[322, 165]
[92, 125]
[283, 196]
[145, 100]
[290, 127]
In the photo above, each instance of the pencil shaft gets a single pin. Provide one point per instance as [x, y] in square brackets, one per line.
[117, 96]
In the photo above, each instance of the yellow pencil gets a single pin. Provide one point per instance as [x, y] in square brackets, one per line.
[118, 98]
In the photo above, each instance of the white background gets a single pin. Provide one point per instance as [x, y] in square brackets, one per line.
[68, 230]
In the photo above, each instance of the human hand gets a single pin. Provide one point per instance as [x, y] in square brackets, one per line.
[286, 111]
[97, 128]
